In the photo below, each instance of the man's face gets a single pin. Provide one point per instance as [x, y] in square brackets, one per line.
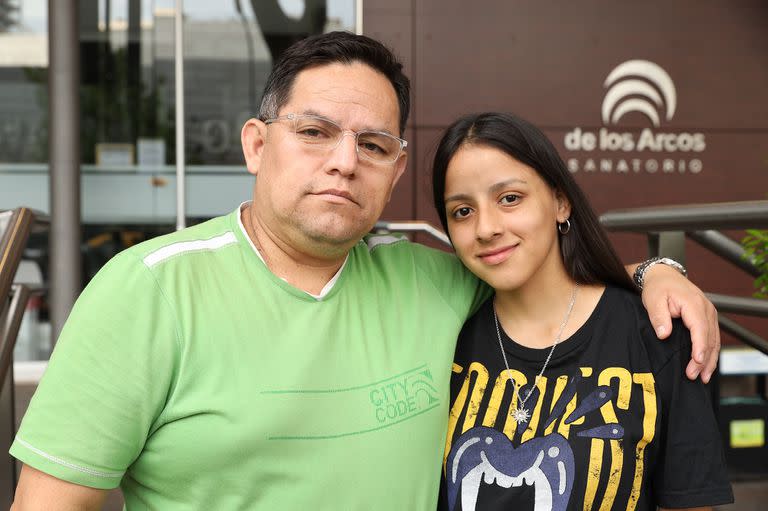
[324, 201]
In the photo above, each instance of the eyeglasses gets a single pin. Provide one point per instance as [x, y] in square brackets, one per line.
[321, 134]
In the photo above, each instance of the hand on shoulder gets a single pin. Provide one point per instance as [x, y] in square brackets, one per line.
[666, 295]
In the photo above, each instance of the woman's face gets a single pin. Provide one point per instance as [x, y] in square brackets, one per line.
[502, 217]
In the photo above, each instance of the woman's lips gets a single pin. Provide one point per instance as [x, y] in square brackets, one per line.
[496, 256]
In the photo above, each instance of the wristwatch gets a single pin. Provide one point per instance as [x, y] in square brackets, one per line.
[642, 268]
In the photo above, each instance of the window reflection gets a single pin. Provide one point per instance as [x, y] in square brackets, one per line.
[127, 137]
[23, 81]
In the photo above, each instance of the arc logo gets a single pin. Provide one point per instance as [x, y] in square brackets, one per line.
[644, 87]
[639, 86]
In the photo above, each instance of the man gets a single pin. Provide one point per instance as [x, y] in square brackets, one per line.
[272, 358]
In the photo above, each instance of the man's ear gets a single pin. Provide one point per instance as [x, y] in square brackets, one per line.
[563, 206]
[253, 138]
[400, 164]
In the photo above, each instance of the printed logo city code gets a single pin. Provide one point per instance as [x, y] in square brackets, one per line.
[405, 396]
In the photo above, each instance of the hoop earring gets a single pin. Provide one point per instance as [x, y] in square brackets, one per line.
[564, 227]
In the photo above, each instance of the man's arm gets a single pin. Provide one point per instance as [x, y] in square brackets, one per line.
[666, 295]
[39, 491]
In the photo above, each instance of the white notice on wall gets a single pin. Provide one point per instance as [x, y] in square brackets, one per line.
[110, 155]
[743, 361]
[151, 153]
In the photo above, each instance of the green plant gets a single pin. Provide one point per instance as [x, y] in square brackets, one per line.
[755, 244]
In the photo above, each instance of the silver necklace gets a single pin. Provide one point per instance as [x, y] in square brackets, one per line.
[521, 413]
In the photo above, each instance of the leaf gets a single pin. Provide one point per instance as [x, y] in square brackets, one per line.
[755, 245]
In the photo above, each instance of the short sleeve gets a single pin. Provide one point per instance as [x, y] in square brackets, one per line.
[691, 470]
[462, 290]
[107, 381]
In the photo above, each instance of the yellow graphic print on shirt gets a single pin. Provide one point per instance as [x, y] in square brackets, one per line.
[538, 452]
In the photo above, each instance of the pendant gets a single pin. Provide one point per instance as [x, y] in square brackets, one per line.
[521, 415]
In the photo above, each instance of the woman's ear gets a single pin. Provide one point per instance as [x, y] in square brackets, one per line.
[563, 206]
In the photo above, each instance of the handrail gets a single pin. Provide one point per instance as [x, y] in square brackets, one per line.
[725, 247]
[414, 226]
[10, 322]
[15, 226]
[691, 217]
[739, 305]
[746, 336]
[697, 222]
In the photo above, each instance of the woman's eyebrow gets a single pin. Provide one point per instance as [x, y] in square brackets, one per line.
[504, 184]
[495, 188]
[458, 197]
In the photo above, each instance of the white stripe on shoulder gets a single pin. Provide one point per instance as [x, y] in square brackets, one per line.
[67, 464]
[384, 239]
[174, 249]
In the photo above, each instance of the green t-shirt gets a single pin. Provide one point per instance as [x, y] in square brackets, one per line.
[194, 378]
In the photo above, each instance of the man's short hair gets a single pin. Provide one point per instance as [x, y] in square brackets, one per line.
[330, 48]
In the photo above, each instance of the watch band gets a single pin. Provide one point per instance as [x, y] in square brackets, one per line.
[642, 269]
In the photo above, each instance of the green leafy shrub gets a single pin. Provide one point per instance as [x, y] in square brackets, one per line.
[756, 248]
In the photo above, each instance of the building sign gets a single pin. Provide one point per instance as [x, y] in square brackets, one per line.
[636, 87]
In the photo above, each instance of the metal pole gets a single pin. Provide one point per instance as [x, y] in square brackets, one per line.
[691, 217]
[746, 336]
[64, 157]
[672, 244]
[739, 305]
[726, 248]
[359, 17]
[180, 157]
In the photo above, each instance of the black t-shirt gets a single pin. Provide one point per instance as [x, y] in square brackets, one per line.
[615, 424]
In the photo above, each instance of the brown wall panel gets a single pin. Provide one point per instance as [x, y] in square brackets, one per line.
[401, 204]
[429, 138]
[517, 52]
[734, 166]
[391, 22]
[547, 60]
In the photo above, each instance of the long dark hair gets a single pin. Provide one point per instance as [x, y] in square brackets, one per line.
[587, 254]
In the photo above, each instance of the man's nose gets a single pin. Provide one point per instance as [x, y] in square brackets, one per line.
[344, 158]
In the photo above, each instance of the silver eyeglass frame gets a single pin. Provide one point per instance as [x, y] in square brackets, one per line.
[295, 117]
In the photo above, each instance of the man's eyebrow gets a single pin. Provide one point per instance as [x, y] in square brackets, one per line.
[495, 188]
[364, 128]
[317, 114]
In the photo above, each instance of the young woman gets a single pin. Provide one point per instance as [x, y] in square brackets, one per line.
[562, 397]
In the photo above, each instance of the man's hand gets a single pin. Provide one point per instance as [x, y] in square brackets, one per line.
[667, 295]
